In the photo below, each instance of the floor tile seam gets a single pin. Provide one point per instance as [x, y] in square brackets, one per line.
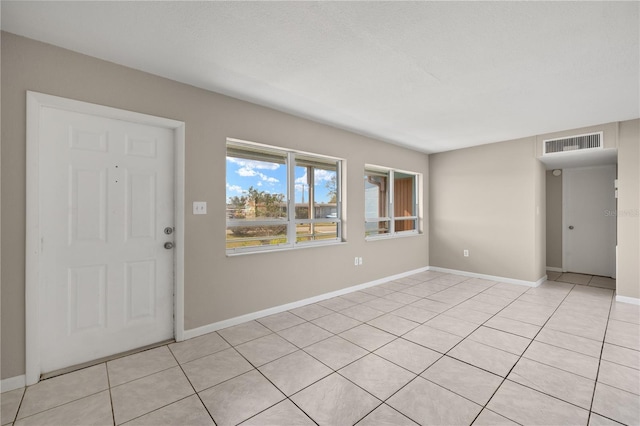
[618, 388]
[235, 377]
[160, 408]
[282, 329]
[333, 369]
[606, 417]
[622, 365]
[508, 332]
[145, 376]
[393, 334]
[496, 413]
[298, 407]
[223, 381]
[492, 346]
[281, 356]
[388, 360]
[369, 392]
[346, 329]
[627, 322]
[64, 404]
[200, 357]
[604, 339]
[392, 408]
[571, 350]
[113, 411]
[250, 340]
[454, 392]
[552, 396]
[560, 368]
[306, 320]
[15, 416]
[422, 371]
[194, 390]
[522, 355]
[487, 320]
[303, 388]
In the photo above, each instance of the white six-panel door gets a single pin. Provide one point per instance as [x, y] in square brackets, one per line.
[106, 197]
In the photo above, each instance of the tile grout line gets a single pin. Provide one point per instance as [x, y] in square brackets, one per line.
[192, 387]
[113, 413]
[532, 340]
[604, 338]
[336, 371]
[521, 355]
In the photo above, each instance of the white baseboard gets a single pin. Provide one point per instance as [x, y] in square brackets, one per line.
[12, 383]
[195, 332]
[490, 277]
[625, 299]
[554, 269]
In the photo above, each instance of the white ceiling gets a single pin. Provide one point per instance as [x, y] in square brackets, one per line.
[433, 76]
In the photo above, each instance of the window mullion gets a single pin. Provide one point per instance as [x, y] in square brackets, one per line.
[291, 202]
[392, 223]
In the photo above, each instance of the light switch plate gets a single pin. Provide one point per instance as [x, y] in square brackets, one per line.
[199, 207]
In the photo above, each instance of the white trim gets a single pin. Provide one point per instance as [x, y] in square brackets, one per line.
[490, 277]
[195, 332]
[625, 299]
[554, 269]
[12, 383]
[35, 102]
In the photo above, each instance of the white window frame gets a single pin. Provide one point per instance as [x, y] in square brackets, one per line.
[290, 221]
[390, 217]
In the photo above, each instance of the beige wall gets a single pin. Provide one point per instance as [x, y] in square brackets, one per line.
[628, 277]
[216, 287]
[554, 220]
[490, 200]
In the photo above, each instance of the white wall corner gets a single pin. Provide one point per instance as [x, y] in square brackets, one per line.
[12, 383]
[554, 269]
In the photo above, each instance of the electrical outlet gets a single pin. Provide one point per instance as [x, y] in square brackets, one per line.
[359, 261]
[465, 253]
[355, 261]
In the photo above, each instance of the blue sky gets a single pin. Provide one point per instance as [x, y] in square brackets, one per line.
[271, 178]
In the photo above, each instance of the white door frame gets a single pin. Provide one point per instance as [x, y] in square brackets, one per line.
[33, 286]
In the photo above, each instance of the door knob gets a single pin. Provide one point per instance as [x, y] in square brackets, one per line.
[168, 245]
[570, 226]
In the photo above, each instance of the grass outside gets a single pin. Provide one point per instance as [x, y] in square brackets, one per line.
[322, 231]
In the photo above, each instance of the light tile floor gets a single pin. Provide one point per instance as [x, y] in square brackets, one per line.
[431, 348]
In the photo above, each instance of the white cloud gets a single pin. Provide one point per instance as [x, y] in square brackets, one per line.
[235, 188]
[323, 175]
[252, 164]
[247, 171]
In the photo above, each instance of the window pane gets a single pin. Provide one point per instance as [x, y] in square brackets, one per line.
[376, 228]
[405, 225]
[256, 186]
[403, 195]
[375, 195]
[316, 231]
[248, 236]
[316, 191]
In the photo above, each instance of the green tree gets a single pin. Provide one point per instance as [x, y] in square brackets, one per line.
[332, 188]
[265, 204]
[238, 203]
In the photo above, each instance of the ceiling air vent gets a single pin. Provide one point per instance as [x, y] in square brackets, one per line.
[573, 143]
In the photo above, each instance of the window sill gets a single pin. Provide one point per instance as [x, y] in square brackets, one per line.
[286, 248]
[394, 236]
